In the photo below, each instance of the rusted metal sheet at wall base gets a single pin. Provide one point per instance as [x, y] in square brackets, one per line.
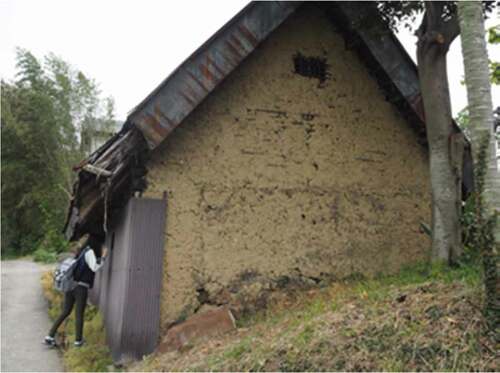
[167, 106]
[127, 289]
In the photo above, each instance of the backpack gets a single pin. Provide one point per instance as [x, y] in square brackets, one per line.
[80, 267]
[63, 275]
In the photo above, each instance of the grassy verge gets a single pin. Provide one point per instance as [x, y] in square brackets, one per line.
[94, 356]
[40, 255]
[422, 319]
[16, 257]
[44, 256]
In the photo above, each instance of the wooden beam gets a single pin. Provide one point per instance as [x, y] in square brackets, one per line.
[97, 171]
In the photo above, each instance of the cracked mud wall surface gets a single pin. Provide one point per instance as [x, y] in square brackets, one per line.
[277, 177]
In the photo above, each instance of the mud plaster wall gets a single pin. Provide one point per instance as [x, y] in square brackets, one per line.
[275, 177]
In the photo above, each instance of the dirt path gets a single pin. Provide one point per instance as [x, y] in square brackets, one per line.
[24, 320]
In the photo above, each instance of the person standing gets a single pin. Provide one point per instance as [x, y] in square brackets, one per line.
[84, 273]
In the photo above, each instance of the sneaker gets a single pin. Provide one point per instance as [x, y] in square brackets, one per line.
[78, 343]
[49, 341]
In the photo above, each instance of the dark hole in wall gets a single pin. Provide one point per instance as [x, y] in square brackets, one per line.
[311, 67]
[202, 295]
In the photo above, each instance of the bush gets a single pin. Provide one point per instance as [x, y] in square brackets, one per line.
[52, 244]
[44, 256]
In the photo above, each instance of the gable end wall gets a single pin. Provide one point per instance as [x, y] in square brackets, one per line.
[277, 178]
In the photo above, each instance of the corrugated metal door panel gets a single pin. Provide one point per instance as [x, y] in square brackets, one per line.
[118, 280]
[128, 287]
[113, 279]
[141, 323]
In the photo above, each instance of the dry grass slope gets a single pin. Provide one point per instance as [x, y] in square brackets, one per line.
[423, 319]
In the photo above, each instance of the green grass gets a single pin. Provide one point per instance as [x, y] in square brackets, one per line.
[379, 287]
[305, 336]
[237, 351]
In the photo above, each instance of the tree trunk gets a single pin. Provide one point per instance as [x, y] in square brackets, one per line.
[435, 37]
[479, 98]
[481, 126]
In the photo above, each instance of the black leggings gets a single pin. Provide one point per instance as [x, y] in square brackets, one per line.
[78, 295]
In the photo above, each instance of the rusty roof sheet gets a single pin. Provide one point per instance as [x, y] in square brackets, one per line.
[177, 96]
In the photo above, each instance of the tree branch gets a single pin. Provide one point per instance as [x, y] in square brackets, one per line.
[435, 30]
[434, 10]
[422, 28]
[65, 191]
[451, 29]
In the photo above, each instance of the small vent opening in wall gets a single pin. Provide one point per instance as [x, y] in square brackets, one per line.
[311, 67]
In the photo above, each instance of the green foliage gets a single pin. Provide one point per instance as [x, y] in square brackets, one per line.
[494, 38]
[494, 35]
[44, 256]
[495, 72]
[397, 13]
[44, 111]
[463, 118]
[404, 13]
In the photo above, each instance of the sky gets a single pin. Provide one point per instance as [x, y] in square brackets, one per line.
[129, 47]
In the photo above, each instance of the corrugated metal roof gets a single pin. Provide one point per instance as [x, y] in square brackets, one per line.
[167, 106]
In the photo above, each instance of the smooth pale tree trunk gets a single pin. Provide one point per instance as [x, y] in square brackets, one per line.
[481, 126]
[479, 97]
[434, 39]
